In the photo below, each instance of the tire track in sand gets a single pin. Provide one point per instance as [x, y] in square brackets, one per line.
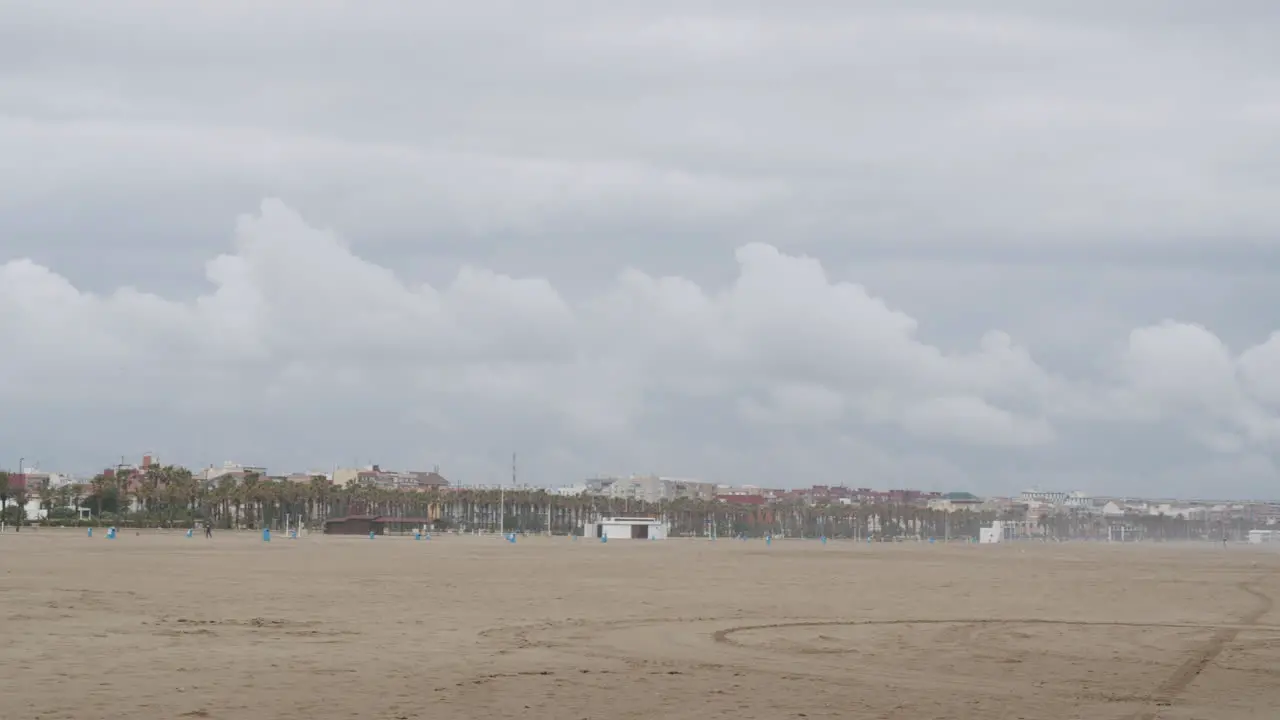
[1189, 670]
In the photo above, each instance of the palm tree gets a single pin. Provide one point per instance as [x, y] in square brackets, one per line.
[319, 492]
[62, 496]
[227, 495]
[4, 495]
[77, 494]
[46, 498]
[99, 484]
[20, 500]
[248, 495]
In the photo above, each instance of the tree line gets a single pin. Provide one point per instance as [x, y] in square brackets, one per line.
[170, 496]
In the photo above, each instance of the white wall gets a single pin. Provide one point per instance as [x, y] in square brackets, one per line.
[33, 510]
[622, 531]
[993, 534]
[1257, 537]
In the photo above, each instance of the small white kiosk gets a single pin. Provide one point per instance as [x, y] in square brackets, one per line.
[626, 528]
[993, 534]
[1257, 537]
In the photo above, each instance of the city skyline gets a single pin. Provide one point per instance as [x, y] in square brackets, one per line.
[340, 474]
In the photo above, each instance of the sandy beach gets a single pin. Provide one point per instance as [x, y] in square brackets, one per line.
[157, 625]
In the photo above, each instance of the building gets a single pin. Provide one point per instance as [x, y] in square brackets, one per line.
[1176, 511]
[1079, 500]
[376, 524]
[374, 475]
[741, 499]
[623, 528]
[868, 496]
[953, 501]
[1258, 537]
[993, 534]
[130, 477]
[651, 488]
[34, 480]
[25, 486]
[1112, 509]
[723, 491]
[352, 525]
[1048, 497]
[233, 470]
[32, 484]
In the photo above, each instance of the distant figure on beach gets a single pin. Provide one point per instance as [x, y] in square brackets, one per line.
[208, 529]
[1224, 541]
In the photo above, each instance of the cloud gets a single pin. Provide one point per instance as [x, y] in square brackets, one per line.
[1180, 370]
[1257, 371]
[297, 329]
[1008, 126]
[894, 242]
[292, 296]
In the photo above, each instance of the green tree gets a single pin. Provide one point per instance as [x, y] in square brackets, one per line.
[20, 500]
[4, 494]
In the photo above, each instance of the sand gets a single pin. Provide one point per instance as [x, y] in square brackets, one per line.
[161, 626]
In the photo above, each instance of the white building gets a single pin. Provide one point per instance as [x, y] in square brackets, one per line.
[32, 511]
[36, 478]
[1258, 537]
[376, 476]
[1112, 509]
[233, 469]
[993, 534]
[623, 528]
[1078, 499]
[1174, 511]
[1049, 497]
[651, 488]
[570, 490]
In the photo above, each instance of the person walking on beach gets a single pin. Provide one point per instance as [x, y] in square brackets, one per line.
[208, 529]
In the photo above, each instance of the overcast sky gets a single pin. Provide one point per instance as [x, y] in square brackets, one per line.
[886, 244]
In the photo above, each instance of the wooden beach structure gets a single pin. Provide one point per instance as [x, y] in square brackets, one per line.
[376, 524]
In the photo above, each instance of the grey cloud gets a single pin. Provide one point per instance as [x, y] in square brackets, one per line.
[1070, 125]
[300, 333]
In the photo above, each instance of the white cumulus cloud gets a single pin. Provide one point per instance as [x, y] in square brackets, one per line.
[302, 351]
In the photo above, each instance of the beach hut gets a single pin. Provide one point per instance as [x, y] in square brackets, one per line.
[352, 525]
[376, 524]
